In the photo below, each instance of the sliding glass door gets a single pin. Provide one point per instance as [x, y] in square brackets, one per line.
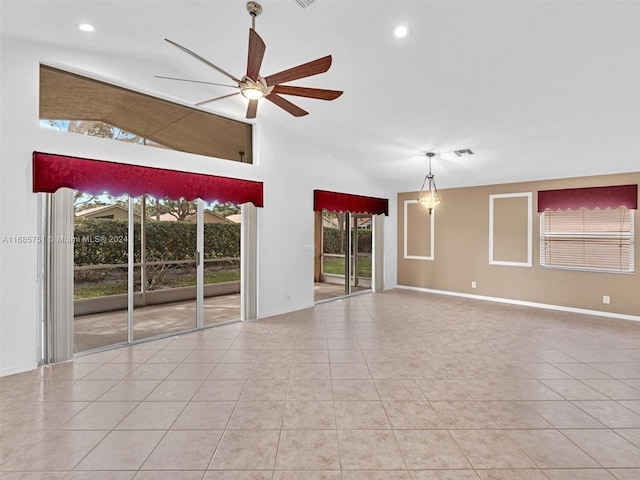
[165, 245]
[100, 280]
[221, 263]
[345, 242]
[146, 267]
[361, 250]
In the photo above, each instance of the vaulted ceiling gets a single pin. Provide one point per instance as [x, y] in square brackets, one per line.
[537, 89]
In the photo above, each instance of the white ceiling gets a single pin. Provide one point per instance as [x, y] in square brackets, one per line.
[537, 89]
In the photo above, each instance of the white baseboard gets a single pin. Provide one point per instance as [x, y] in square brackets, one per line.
[262, 316]
[18, 369]
[561, 308]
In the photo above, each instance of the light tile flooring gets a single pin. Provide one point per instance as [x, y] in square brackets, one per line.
[100, 330]
[394, 386]
[327, 291]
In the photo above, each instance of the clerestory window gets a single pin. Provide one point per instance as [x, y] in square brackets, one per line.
[76, 104]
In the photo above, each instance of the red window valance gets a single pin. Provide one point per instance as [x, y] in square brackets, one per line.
[342, 202]
[589, 198]
[51, 172]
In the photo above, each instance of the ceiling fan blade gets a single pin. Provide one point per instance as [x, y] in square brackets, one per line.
[314, 67]
[217, 98]
[195, 81]
[286, 105]
[319, 93]
[203, 60]
[252, 109]
[256, 53]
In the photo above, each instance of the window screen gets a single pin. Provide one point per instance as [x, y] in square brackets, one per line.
[596, 240]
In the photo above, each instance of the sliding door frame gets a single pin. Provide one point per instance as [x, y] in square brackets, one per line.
[350, 277]
[55, 260]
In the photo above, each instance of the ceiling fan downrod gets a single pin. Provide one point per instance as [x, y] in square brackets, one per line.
[254, 9]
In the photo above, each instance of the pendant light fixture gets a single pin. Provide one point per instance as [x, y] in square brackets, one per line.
[429, 197]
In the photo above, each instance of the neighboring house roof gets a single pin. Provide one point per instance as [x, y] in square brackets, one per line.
[235, 218]
[105, 210]
[364, 222]
[165, 217]
[209, 217]
[102, 209]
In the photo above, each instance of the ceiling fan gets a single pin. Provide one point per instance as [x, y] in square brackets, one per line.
[253, 86]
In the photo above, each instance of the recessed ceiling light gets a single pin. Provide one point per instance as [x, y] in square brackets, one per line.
[400, 31]
[85, 27]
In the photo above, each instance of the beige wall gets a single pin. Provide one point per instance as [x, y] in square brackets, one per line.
[462, 253]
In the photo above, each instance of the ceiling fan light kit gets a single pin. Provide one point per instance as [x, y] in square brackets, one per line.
[252, 93]
[254, 90]
[254, 87]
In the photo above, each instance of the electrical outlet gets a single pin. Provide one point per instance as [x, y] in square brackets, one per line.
[473, 284]
[606, 299]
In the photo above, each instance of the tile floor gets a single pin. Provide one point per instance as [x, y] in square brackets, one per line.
[395, 386]
[326, 291]
[100, 330]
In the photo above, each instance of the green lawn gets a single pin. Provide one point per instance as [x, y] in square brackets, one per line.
[331, 266]
[98, 290]
[104, 289]
[336, 266]
[211, 277]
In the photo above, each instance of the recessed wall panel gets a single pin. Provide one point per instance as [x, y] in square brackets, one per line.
[418, 231]
[510, 223]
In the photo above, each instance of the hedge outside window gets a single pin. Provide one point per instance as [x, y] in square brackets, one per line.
[592, 240]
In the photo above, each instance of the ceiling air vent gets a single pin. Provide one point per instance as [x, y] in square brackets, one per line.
[465, 151]
[305, 3]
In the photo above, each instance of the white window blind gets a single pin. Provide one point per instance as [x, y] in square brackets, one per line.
[596, 240]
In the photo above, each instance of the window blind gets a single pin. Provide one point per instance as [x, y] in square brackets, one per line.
[597, 240]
